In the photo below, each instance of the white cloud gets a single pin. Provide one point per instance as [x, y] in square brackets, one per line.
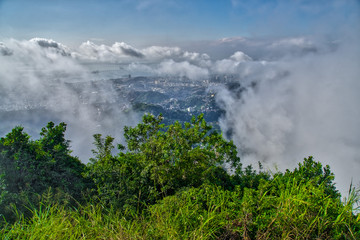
[158, 53]
[121, 51]
[300, 106]
[51, 45]
[232, 64]
[127, 50]
[163, 60]
[118, 52]
[266, 48]
[33, 85]
[38, 59]
[5, 51]
[141, 69]
[184, 69]
[240, 57]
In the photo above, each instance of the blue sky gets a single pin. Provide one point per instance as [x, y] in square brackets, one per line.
[145, 22]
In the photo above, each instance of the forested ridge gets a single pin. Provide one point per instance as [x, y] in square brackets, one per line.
[168, 182]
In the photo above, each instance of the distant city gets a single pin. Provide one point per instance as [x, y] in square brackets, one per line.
[177, 98]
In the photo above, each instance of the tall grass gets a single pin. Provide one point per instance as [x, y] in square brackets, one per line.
[54, 221]
[278, 209]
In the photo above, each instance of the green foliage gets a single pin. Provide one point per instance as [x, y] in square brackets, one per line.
[310, 169]
[179, 156]
[63, 170]
[16, 159]
[286, 208]
[117, 179]
[281, 208]
[51, 220]
[103, 148]
[160, 160]
[168, 183]
[194, 213]
[28, 168]
[249, 178]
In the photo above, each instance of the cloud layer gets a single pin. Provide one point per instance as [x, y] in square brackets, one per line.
[299, 106]
[34, 89]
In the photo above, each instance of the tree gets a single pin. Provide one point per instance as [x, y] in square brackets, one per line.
[179, 156]
[62, 170]
[103, 169]
[314, 171]
[161, 160]
[29, 168]
[17, 160]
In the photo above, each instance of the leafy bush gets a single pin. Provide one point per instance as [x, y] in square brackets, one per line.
[159, 161]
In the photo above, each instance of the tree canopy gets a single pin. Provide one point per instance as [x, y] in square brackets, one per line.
[159, 160]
